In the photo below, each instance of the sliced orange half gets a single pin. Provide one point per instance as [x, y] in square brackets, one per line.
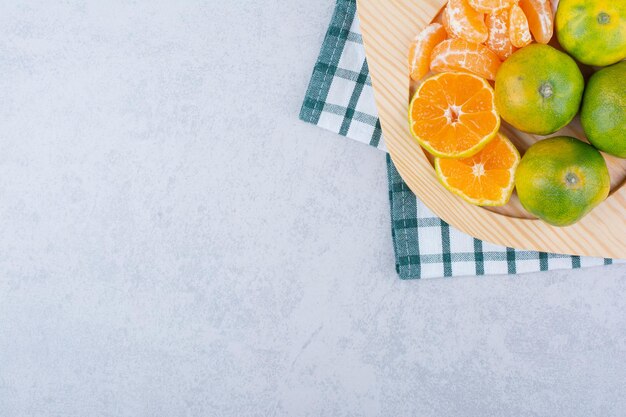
[453, 115]
[485, 179]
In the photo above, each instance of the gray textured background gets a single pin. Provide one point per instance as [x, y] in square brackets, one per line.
[174, 242]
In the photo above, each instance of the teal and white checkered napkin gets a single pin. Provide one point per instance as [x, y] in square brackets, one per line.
[340, 98]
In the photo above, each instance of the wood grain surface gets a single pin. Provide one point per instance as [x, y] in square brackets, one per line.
[388, 26]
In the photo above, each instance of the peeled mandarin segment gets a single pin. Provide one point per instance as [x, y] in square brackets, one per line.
[421, 48]
[460, 55]
[486, 178]
[464, 22]
[445, 22]
[518, 27]
[499, 40]
[540, 18]
[491, 6]
[453, 115]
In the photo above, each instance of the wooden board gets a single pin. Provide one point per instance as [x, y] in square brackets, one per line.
[388, 26]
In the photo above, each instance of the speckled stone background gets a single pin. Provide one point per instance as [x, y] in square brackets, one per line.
[175, 242]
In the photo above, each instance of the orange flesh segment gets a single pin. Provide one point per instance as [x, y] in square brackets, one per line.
[452, 113]
[491, 6]
[540, 19]
[518, 27]
[460, 55]
[485, 178]
[446, 23]
[499, 40]
[461, 21]
[422, 47]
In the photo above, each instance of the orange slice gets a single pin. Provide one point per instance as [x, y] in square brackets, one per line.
[422, 47]
[453, 115]
[461, 21]
[518, 27]
[499, 40]
[491, 6]
[540, 19]
[460, 55]
[485, 179]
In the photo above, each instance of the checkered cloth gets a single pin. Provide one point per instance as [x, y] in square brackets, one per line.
[340, 98]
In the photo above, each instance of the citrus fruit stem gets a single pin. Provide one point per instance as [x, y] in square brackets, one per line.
[571, 179]
[604, 18]
[546, 90]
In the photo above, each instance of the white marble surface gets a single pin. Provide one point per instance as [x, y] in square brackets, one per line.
[174, 242]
